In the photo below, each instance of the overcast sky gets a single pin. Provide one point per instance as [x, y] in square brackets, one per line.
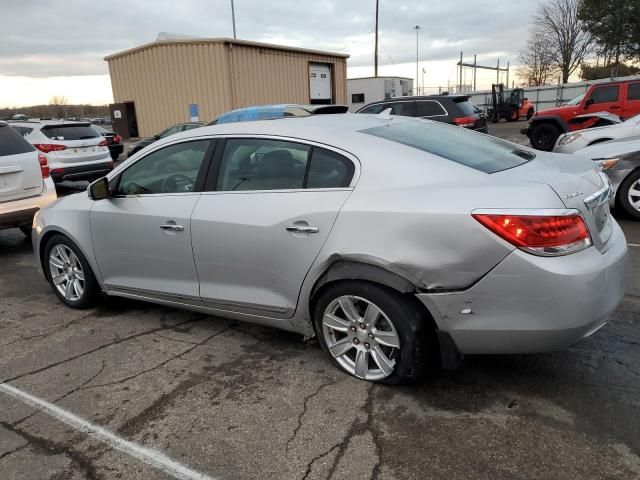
[57, 47]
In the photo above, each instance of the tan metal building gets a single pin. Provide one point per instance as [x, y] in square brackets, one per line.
[172, 81]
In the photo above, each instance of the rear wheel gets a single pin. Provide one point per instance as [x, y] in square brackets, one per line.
[373, 332]
[512, 114]
[543, 136]
[69, 273]
[629, 195]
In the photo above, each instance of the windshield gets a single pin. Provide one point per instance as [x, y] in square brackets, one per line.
[577, 100]
[480, 152]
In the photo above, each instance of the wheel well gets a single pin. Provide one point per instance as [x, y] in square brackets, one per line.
[43, 244]
[548, 121]
[343, 271]
[617, 199]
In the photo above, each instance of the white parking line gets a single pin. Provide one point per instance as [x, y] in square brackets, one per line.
[633, 244]
[150, 457]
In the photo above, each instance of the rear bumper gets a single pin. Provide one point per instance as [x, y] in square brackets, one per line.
[20, 212]
[531, 304]
[81, 172]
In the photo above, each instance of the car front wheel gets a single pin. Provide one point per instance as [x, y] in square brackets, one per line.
[69, 273]
[543, 136]
[373, 332]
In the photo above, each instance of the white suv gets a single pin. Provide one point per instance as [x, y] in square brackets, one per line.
[25, 183]
[74, 150]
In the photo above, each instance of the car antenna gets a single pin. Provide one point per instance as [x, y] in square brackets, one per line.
[386, 114]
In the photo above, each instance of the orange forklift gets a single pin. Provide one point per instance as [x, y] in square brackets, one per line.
[510, 105]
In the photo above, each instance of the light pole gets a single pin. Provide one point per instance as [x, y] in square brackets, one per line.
[233, 19]
[417, 28]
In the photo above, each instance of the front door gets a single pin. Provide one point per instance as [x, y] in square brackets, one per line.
[605, 99]
[142, 234]
[257, 234]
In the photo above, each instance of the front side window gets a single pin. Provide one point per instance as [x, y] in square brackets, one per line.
[173, 169]
[408, 109]
[374, 109]
[262, 164]
[191, 126]
[606, 94]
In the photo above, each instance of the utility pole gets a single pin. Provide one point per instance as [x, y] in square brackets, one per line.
[423, 72]
[417, 27]
[460, 85]
[233, 19]
[475, 62]
[375, 60]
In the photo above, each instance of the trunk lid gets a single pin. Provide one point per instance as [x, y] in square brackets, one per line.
[579, 184]
[20, 174]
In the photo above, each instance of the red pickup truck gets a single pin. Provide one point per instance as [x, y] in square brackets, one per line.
[617, 98]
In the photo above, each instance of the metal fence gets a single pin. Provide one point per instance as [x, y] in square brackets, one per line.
[549, 95]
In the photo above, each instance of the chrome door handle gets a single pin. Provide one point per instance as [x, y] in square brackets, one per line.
[302, 228]
[175, 228]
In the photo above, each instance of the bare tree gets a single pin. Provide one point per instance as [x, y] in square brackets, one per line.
[569, 41]
[537, 65]
[58, 100]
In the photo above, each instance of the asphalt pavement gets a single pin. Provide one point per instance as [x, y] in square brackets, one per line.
[130, 390]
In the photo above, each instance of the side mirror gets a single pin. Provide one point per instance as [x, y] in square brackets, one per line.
[99, 189]
[588, 102]
[156, 137]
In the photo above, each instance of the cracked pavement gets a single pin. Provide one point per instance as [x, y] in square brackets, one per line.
[234, 400]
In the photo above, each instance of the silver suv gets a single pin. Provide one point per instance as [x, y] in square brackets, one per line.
[25, 183]
[74, 150]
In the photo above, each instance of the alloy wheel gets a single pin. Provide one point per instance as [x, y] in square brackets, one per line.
[634, 195]
[361, 337]
[66, 272]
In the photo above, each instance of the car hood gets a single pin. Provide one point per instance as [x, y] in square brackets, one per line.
[567, 110]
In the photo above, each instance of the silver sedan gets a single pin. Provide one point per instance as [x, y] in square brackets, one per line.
[400, 243]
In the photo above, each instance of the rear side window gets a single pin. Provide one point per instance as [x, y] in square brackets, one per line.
[69, 132]
[329, 170]
[430, 108]
[606, 94]
[12, 143]
[24, 131]
[377, 108]
[480, 152]
[633, 91]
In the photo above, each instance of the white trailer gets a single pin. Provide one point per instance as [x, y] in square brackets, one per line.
[361, 91]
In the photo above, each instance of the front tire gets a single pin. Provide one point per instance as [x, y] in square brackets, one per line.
[543, 136]
[373, 332]
[69, 273]
[629, 195]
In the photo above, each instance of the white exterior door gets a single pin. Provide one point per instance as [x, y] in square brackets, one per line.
[320, 82]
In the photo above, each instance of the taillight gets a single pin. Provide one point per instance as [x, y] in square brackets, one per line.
[44, 166]
[117, 139]
[48, 147]
[103, 143]
[465, 121]
[546, 235]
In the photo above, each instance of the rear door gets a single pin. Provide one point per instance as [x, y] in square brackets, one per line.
[257, 232]
[20, 174]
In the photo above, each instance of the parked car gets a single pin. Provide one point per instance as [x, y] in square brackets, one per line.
[620, 160]
[453, 109]
[269, 112]
[571, 142]
[74, 150]
[25, 183]
[360, 229]
[603, 104]
[114, 141]
[135, 147]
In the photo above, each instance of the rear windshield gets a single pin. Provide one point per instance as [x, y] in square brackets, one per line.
[69, 132]
[467, 107]
[480, 152]
[12, 143]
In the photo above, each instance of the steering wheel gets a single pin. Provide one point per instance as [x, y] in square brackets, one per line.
[177, 183]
